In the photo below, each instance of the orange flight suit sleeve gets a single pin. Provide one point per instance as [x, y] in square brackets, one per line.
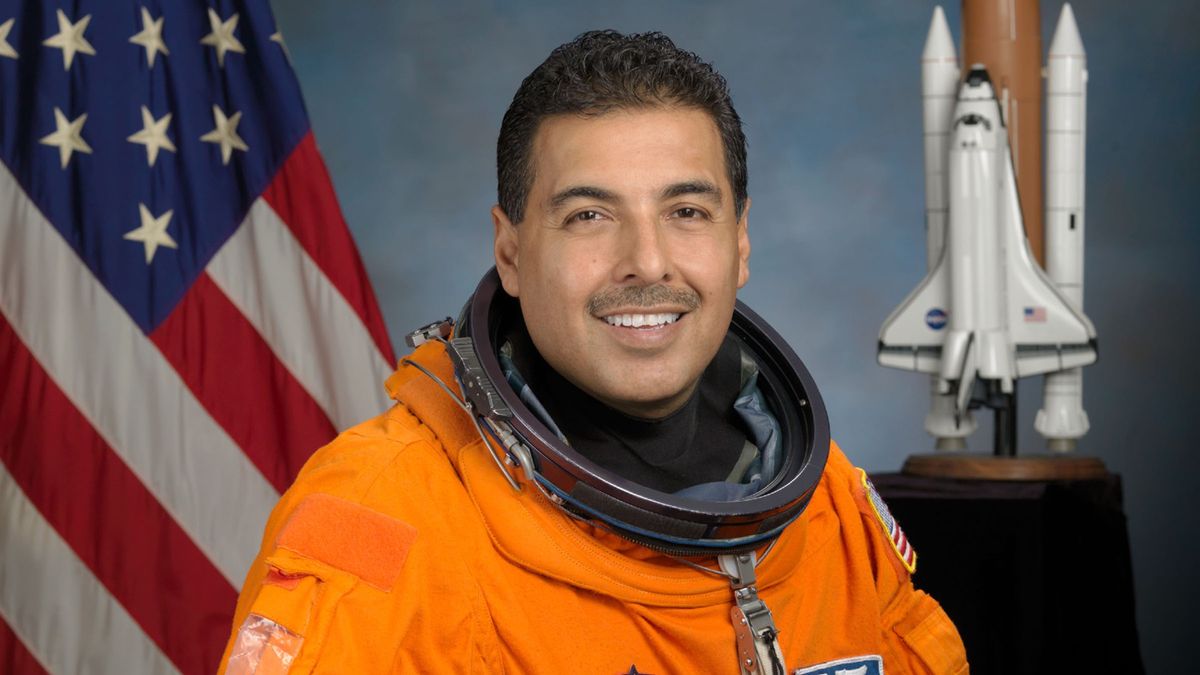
[921, 638]
[918, 636]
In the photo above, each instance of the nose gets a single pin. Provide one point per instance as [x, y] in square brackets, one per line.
[644, 255]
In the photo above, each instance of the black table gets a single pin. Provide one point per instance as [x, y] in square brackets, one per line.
[1035, 575]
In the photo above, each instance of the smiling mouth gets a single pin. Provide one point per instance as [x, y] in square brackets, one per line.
[642, 320]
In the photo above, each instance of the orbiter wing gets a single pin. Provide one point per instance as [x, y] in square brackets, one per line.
[1047, 332]
[912, 337]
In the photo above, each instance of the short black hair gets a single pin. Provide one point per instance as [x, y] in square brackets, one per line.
[604, 70]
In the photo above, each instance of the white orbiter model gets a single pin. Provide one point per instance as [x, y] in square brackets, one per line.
[986, 311]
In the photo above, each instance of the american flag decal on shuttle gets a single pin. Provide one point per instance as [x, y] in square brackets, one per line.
[1035, 315]
[900, 543]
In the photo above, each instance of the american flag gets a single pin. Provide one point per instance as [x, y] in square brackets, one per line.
[896, 536]
[1035, 315]
[183, 320]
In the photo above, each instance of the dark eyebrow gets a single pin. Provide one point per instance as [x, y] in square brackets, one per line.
[586, 191]
[695, 187]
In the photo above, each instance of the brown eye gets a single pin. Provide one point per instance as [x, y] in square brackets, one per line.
[687, 212]
[586, 215]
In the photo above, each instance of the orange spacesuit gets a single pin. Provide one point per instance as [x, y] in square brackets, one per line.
[401, 548]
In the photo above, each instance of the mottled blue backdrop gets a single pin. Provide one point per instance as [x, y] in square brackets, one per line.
[406, 100]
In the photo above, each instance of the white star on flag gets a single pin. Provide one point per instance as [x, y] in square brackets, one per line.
[153, 135]
[69, 38]
[277, 38]
[153, 232]
[67, 136]
[151, 36]
[221, 38]
[225, 133]
[5, 48]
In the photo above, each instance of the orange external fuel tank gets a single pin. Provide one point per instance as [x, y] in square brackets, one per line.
[1005, 36]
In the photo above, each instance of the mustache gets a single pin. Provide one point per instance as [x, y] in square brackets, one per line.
[642, 296]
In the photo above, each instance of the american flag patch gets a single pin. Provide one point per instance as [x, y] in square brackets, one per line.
[896, 536]
[1035, 315]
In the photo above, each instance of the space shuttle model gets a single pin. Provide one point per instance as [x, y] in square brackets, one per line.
[987, 313]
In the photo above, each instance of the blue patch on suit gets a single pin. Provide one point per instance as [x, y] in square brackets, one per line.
[855, 665]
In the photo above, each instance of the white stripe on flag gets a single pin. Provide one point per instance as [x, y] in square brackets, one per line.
[55, 605]
[308, 324]
[124, 386]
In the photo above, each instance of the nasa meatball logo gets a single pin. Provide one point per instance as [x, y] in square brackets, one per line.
[858, 665]
[936, 318]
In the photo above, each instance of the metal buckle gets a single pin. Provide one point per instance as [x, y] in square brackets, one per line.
[752, 621]
[438, 330]
[476, 386]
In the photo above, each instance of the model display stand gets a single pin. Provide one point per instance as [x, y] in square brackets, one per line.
[977, 466]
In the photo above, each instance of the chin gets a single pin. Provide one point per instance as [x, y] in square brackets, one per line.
[653, 396]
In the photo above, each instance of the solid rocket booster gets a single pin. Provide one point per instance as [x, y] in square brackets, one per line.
[939, 92]
[1062, 419]
[939, 89]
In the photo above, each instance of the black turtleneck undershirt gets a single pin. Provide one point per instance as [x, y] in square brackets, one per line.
[699, 443]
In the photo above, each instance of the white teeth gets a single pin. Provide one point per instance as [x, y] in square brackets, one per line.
[641, 320]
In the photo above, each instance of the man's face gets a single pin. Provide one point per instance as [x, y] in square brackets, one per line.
[630, 220]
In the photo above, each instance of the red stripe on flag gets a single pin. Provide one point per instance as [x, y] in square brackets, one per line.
[240, 382]
[302, 195]
[15, 659]
[108, 517]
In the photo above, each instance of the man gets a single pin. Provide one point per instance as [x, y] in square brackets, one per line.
[619, 471]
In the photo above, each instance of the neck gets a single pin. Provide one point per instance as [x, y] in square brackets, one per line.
[693, 438]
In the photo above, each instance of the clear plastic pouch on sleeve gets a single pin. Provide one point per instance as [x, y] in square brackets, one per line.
[263, 647]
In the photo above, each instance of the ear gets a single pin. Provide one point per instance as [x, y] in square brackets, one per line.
[506, 247]
[743, 245]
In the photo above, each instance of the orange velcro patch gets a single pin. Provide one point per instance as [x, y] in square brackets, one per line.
[350, 537]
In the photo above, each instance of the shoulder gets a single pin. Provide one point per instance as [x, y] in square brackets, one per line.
[394, 465]
[380, 508]
[867, 527]
[391, 465]
[372, 450]
[917, 633]
[858, 544]
[368, 494]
